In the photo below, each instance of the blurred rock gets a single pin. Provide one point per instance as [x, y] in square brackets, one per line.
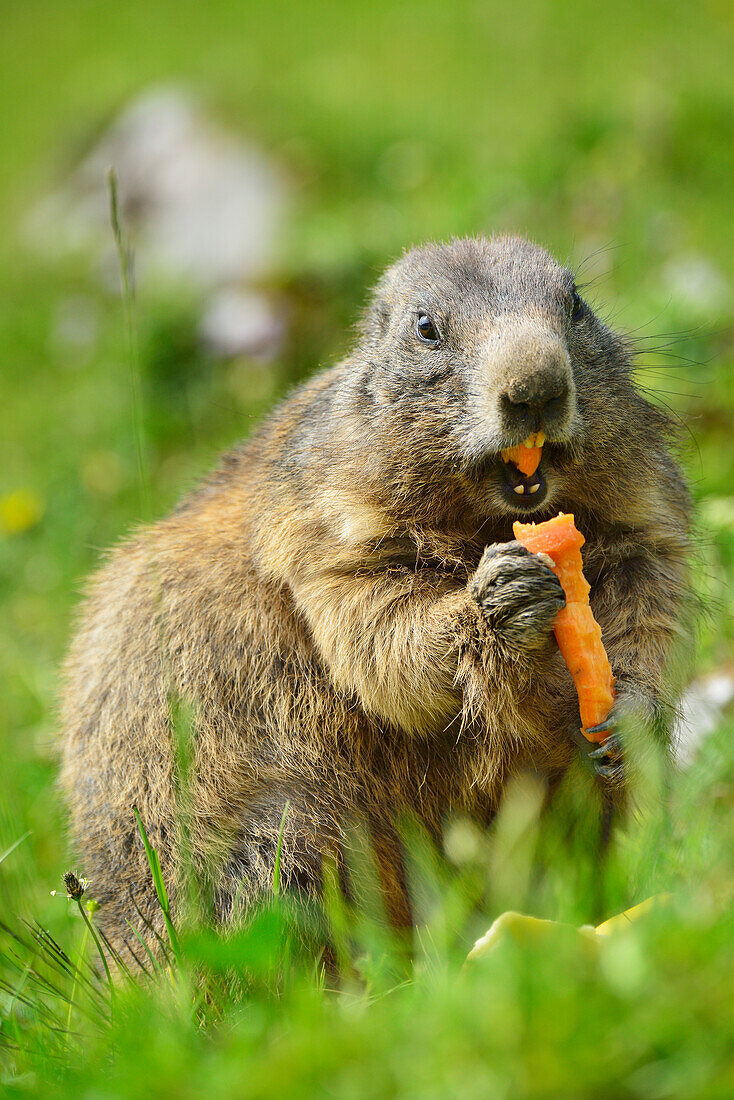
[200, 204]
[693, 282]
[75, 326]
[242, 323]
[701, 710]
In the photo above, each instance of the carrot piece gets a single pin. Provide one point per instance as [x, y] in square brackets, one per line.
[527, 459]
[526, 456]
[577, 632]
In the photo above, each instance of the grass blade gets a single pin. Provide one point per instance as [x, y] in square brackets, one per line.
[159, 885]
[9, 851]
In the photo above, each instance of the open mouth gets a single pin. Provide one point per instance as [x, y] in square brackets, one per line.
[524, 484]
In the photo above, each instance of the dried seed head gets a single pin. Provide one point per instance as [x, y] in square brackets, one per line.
[75, 887]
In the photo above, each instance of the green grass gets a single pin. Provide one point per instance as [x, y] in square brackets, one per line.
[606, 133]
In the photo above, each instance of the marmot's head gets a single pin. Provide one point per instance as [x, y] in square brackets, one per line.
[471, 349]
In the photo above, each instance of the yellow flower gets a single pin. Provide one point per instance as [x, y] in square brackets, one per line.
[20, 510]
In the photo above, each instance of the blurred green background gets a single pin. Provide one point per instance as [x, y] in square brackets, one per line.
[604, 131]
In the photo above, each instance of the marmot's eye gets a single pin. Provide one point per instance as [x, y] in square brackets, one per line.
[577, 305]
[426, 329]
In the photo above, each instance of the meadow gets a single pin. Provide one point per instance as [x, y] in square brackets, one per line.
[607, 134]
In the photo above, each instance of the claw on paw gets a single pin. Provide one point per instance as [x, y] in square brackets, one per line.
[607, 760]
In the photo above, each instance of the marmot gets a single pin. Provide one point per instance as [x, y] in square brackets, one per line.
[342, 605]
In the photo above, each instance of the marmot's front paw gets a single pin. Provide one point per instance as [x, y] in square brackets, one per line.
[634, 710]
[607, 759]
[518, 593]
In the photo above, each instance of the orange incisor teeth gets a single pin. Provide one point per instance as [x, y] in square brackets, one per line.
[527, 456]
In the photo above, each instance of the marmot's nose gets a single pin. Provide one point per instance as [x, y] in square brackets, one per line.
[538, 395]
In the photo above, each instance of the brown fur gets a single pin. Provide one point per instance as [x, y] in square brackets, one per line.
[324, 605]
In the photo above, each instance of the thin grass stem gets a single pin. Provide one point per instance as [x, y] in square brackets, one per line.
[100, 949]
[82, 956]
[125, 258]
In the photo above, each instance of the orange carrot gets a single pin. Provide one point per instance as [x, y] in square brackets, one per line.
[527, 455]
[577, 632]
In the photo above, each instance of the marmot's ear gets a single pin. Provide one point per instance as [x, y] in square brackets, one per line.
[375, 318]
